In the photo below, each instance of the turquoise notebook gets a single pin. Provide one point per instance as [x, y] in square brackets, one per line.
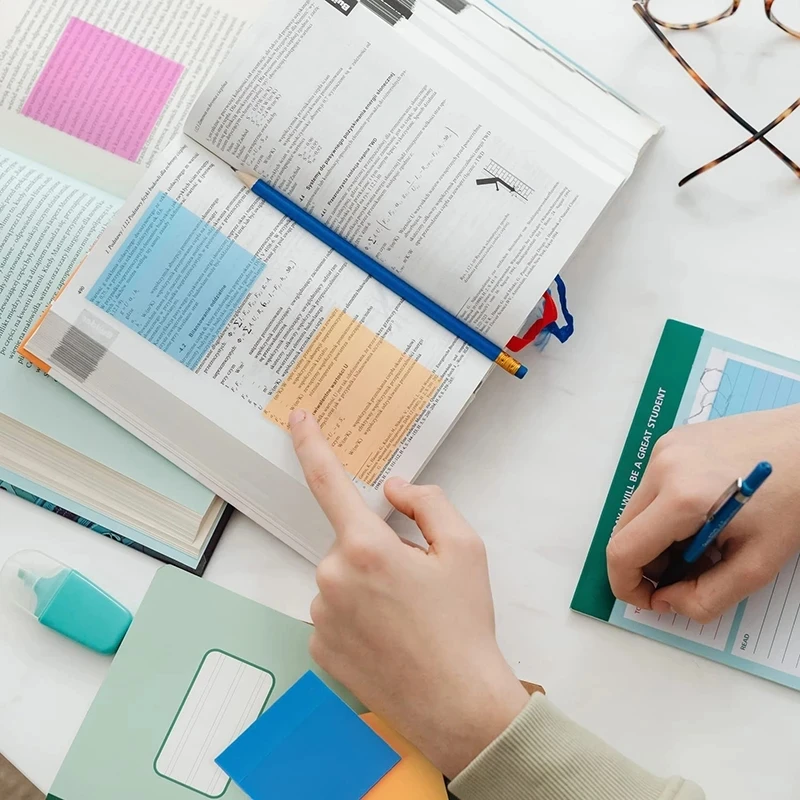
[695, 376]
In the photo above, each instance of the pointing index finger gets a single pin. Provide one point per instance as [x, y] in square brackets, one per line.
[325, 475]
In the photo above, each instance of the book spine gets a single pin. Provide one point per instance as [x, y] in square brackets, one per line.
[655, 416]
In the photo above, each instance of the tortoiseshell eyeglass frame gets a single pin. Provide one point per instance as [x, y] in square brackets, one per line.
[642, 8]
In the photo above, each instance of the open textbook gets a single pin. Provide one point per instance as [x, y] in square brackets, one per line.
[440, 138]
[89, 92]
[696, 376]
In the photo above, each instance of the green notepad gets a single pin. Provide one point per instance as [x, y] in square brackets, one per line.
[695, 376]
[197, 667]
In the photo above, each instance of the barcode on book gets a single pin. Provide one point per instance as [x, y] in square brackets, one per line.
[391, 11]
[83, 346]
[78, 354]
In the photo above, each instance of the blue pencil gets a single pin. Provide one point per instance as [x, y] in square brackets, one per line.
[383, 275]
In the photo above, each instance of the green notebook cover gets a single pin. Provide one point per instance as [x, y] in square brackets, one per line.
[197, 667]
[696, 376]
[655, 416]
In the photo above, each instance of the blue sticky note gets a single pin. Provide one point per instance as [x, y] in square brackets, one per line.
[176, 280]
[308, 744]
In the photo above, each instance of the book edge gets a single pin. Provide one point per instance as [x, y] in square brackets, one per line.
[198, 568]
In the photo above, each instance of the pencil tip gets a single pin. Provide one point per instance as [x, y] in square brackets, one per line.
[246, 178]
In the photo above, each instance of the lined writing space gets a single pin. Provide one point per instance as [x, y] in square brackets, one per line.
[769, 632]
[226, 697]
[713, 634]
[745, 387]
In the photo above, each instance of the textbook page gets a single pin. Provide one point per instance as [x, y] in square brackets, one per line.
[403, 158]
[216, 316]
[95, 88]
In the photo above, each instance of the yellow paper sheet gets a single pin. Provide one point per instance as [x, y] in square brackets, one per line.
[414, 778]
[364, 392]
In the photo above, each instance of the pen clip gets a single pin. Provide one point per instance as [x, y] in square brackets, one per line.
[730, 492]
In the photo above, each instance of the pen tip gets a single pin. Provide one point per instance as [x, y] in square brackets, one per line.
[246, 178]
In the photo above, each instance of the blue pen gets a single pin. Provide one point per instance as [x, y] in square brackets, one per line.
[733, 500]
[384, 276]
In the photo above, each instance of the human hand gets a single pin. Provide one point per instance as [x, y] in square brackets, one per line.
[689, 469]
[410, 632]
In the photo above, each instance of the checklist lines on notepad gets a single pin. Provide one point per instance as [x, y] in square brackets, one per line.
[714, 634]
[769, 632]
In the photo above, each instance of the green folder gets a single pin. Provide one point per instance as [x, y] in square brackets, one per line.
[197, 667]
[697, 376]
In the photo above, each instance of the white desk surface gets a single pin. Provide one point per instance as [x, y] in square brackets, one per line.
[721, 253]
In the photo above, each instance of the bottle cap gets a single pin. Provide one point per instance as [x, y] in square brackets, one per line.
[26, 570]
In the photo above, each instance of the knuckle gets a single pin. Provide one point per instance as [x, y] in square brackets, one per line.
[303, 442]
[691, 499]
[475, 547]
[703, 612]
[329, 578]
[430, 494]
[659, 456]
[317, 611]
[756, 571]
[318, 478]
[363, 553]
[666, 456]
[616, 551]
[662, 445]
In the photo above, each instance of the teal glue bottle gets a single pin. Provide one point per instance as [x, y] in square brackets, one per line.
[65, 601]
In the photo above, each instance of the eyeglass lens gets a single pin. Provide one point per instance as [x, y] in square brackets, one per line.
[787, 12]
[689, 12]
[693, 12]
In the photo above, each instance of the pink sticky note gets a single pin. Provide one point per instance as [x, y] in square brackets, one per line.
[103, 89]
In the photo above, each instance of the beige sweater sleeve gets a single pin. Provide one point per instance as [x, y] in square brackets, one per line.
[545, 756]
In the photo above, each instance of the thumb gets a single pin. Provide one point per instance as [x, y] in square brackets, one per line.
[437, 518]
[712, 593]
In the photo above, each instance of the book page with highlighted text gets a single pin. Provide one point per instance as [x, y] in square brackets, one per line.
[403, 158]
[203, 316]
[203, 302]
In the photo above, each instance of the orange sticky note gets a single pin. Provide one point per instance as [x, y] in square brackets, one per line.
[414, 777]
[365, 393]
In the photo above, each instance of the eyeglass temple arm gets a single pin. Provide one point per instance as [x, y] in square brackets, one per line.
[651, 23]
[758, 136]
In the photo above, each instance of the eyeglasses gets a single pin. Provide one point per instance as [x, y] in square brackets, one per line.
[672, 15]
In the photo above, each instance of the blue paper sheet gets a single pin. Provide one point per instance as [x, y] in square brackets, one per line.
[744, 387]
[308, 744]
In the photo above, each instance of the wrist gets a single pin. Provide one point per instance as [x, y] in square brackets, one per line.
[471, 721]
